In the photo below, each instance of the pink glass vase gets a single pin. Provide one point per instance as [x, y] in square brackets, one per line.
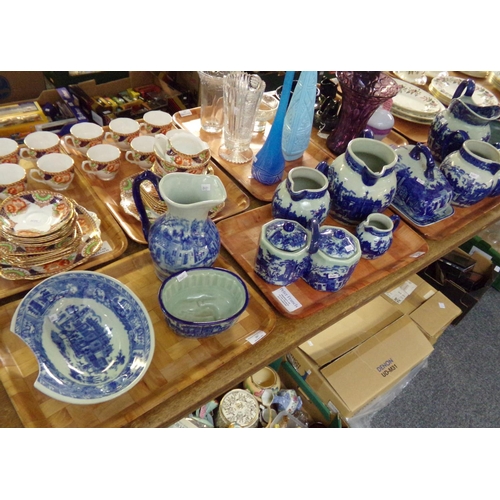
[362, 93]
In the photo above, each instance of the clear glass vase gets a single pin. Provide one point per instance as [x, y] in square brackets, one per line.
[242, 95]
[362, 93]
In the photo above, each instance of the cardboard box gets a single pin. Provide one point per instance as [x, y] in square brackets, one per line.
[479, 245]
[379, 363]
[466, 291]
[102, 111]
[435, 315]
[60, 99]
[351, 331]
[21, 85]
[311, 403]
[431, 310]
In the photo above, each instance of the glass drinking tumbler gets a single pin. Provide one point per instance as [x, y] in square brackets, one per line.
[211, 100]
[242, 96]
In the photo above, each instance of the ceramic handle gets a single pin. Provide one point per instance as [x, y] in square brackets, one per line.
[468, 85]
[136, 193]
[420, 149]
[396, 219]
[314, 228]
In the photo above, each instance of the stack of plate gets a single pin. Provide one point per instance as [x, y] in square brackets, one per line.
[43, 233]
[415, 104]
[444, 87]
[494, 79]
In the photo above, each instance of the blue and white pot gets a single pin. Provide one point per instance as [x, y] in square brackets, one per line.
[332, 264]
[473, 172]
[362, 180]
[284, 249]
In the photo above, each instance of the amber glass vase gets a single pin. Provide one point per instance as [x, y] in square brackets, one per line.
[362, 93]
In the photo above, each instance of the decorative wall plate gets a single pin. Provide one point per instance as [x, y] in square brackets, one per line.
[91, 335]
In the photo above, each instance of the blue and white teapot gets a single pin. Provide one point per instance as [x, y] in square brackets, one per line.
[423, 194]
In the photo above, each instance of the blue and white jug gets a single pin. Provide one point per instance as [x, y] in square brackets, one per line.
[362, 180]
[185, 236]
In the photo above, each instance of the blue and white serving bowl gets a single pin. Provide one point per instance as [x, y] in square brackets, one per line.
[203, 301]
[91, 335]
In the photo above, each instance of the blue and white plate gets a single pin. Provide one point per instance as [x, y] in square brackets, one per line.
[91, 335]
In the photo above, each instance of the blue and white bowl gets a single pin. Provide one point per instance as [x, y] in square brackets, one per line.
[202, 301]
[91, 335]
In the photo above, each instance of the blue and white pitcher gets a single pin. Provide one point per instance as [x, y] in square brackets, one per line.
[362, 180]
[185, 236]
[462, 120]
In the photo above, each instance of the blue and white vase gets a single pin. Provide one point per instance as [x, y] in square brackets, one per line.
[299, 116]
[473, 172]
[375, 234]
[362, 180]
[184, 237]
[302, 196]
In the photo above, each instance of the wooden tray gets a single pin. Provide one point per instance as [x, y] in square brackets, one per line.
[109, 193]
[177, 362]
[240, 236]
[462, 216]
[190, 120]
[114, 240]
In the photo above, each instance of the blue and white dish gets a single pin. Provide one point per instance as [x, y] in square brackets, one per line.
[91, 335]
[202, 302]
[424, 221]
[423, 193]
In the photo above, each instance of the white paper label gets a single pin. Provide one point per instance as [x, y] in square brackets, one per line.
[416, 255]
[473, 175]
[310, 343]
[185, 112]
[105, 248]
[421, 181]
[182, 276]
[441, 305]
[255, 337]
[205, 187]
[349, 248]
[399, 294]
[287, 299]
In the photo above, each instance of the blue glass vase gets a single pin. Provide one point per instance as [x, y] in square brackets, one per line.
[269, 163]
[299, 116]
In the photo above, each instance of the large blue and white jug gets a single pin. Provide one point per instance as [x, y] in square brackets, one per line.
[362, 180]
[185, 236]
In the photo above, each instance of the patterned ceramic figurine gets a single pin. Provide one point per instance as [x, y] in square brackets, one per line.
[423, 194]
[375, 234]
[462, 120]
[473, 172]
[362, 180]
[302, 196]
[184, 237]
[284, 249]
